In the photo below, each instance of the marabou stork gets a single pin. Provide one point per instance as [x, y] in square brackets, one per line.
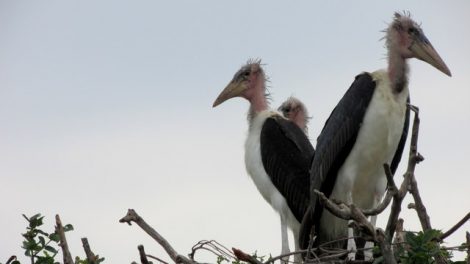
[278, 154]
[367, 129]
[294, 110]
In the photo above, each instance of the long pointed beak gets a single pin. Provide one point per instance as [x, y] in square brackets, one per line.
[233, 89]
[424, 51]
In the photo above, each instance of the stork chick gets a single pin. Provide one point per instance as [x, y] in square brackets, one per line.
[294, 110]
[277, 152]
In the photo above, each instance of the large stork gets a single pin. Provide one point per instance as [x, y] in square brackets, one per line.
[367, 129]
[278, 154]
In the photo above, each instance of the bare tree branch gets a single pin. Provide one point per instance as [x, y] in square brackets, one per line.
[132, 216]
[63, 241]
[143, 257]
[399, 233]
[455, 227]
[157, 259]
[11, 259]
[212, 246]
[467, 236]
[90, 256]
[413, 158]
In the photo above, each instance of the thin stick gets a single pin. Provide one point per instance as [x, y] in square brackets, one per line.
[132, 216]
[157, 259]
[11, 259]
[143, 257]
[467, 236]
[90, 256]
[455, 227]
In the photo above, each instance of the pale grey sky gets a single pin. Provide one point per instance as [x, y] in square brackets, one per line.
[106, 105]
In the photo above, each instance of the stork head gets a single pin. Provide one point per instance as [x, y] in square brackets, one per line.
[294, 110]
[406, 38]
[248, 82]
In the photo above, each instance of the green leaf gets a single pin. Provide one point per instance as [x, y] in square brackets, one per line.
[42, 240]
[50, 249]
[36, 221]
[42, 232]
[54, 237]
[68, 227]
[30, 245]
[25, 217]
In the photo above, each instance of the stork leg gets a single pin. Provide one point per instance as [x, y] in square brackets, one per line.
[351, 243]
[297, 257]
[285, 240]
[368, 254]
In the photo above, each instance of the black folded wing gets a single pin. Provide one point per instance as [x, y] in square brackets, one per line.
[287, 155]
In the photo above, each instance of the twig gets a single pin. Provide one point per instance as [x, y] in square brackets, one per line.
[455, 227]
[157, 259]
[212, 246]
[399, 233]
[299, 252]
[63, 241]
[132, 216]
[392, 190]
[413, 159]
[380, 207]
[332, 257]
[340, 210]
[310, 245]
[467, 236]
[143, 257]
[11, 259]
[90, 256]
[419, 205]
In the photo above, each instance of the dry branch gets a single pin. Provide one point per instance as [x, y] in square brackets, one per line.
[212, 246]
[157, 259]
[11, 259]
[132, 216]
[143, 256]
[63, 241]
[90, 256]
[467, 236]
[455, 227]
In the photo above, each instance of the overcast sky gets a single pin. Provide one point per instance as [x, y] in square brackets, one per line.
[107, 105]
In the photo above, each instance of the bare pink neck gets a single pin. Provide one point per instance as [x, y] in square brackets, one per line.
[256, 96]
[397, 72]
[258, 102]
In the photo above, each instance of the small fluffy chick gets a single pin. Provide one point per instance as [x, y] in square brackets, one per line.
[294, 110]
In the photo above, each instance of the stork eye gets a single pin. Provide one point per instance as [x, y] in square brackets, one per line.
[413, 31]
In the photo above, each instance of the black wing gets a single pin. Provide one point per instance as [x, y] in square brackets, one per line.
[287, 155]
[334, 144]
[401, 144]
